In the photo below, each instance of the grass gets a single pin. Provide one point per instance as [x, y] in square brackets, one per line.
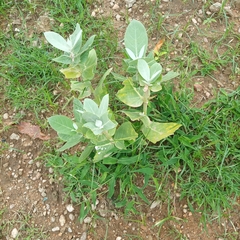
[201, 159]
[22, 221]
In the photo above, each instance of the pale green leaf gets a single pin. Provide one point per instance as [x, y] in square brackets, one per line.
[89, 66]
[61, 124]
[87, 45]
[74, 140]
[101, 90]
[57, 41]
[136, 38]
[144, 70]
[170, 75]
[155, 132]
[125, 132]
[134, 115]
[65, 59]
[103, 108]
[84, 88]
[130, 95]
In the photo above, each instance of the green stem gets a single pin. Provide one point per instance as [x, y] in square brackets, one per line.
[146, 96]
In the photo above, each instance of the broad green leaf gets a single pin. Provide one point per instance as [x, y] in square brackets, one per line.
[65, 59]
[86, 152]
[136, 39]
[103, 107]
[77, 109]
[57, 41]
[103, 151]
[101, 90]
[74, 140]
[71, 72]
[144, 70]
[90, 106]
[118, 77]
[66, 137]
[87, 45]
[61, 124]
[133, 115]
[120, 144]
[155, 132]
[130, 95]
[170, 75]
[84, 88]
[107, 123]
[89, 66]
[156, 86]
[155, 71]
[76, 39]
[125, 132]
[128, 160]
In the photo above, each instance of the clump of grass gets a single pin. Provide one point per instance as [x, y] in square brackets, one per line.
[205, 151]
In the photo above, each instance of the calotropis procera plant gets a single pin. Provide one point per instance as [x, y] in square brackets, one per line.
[94, 123]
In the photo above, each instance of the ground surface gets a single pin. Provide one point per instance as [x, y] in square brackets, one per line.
[31, 198]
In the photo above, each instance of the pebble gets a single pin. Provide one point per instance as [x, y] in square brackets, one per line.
[84, 236]
[115, 7]
[14, 233]
[118, 238]
[197, 87]
[207, 94]
[87, 220]
[194, 21]
[118, 17]
[129, 3]
[14, 136]
[70, 208]
[71, 216]
[155, 204]
[215, 7]
[5, 116]
[62, 220]
[55, 229]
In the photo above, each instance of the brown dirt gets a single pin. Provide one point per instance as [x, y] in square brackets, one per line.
[27, 187]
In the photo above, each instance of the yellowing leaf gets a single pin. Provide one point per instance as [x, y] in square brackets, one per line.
[71, 72]
[155, 132]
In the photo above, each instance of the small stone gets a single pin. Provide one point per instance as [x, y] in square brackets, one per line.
[5, 116]
[93, 14]
[70, 208]
[14, 233]
[185, 210]
[62, 220]
[87, 220]
[118, 238]
[207, 94]
[52, 219]
[118, 17]
[115, 7]
[129, 3]
[69, 230]
[215, 7]
[197, 87]
[194, 21]
[55, 229]
[71, 216]
[14, 136]
[84, 236]
[155, 204]
[205, 40]
[50, 170]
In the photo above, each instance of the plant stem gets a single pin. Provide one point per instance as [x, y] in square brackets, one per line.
[146, 96]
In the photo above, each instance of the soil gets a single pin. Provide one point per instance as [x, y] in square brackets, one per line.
[27, 187]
